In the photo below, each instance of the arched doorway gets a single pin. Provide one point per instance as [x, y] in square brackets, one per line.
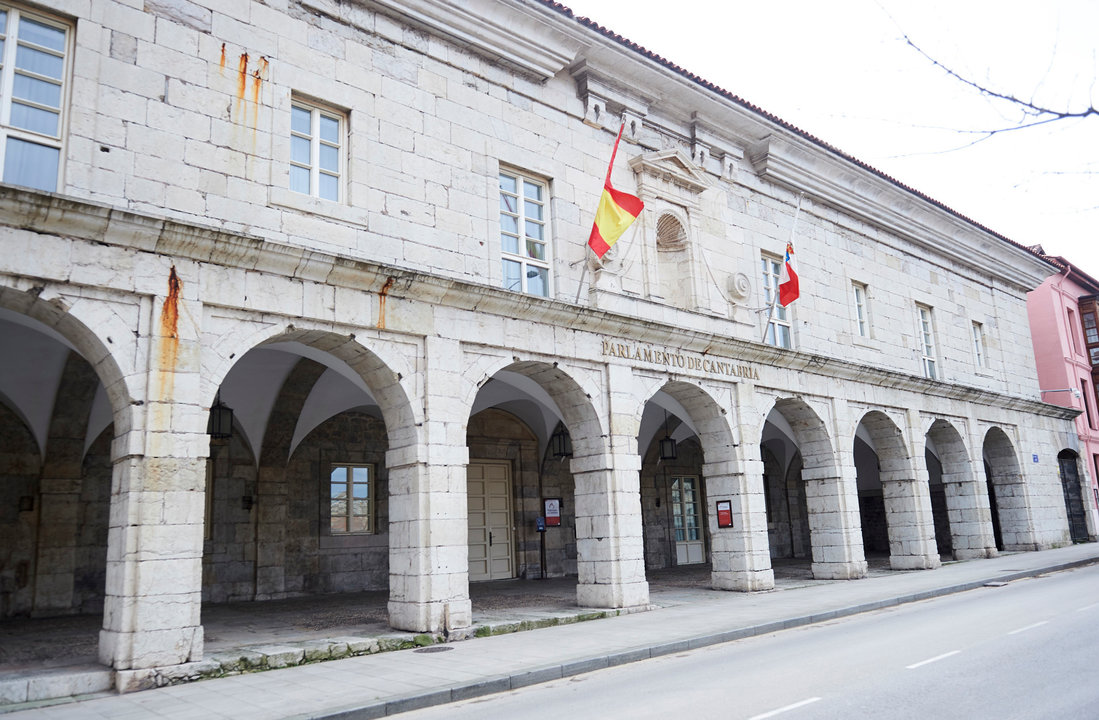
[799, 441]
[1069, 467]
[57, 465]
[1008, 497]
[967, 514]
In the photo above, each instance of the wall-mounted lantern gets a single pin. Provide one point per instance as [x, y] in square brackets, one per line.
[220, 425]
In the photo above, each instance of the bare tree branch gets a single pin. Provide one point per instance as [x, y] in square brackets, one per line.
[1035, 113]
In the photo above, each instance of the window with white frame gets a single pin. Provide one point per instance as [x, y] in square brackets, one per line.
[979, 354]
[523, 237]
[778, 328]
[927, 342]
[317, 150]
[33, 71]
[351, 499]
[862, 316]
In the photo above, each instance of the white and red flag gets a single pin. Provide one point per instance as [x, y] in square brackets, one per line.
[788, 290]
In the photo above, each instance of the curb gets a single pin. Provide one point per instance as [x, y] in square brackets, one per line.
[536, 675]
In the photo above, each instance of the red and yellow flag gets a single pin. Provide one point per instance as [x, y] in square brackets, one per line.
[616, 211]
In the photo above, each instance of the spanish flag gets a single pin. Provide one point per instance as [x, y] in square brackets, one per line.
[617, 210]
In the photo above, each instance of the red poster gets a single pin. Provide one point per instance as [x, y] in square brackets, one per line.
[724, 513]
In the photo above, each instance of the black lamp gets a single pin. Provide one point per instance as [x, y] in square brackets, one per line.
[220, 425]
[667, 445]
[561, 443]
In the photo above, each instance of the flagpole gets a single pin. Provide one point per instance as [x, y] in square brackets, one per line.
[774, 299]
[606, 182]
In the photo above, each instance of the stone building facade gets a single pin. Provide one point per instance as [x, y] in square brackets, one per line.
[361, 227]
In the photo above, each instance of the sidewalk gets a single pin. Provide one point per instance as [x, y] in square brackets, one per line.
[687, 617]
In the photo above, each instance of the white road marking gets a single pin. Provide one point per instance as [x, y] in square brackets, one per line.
[787, 708]
[1029, 627]
[1087, 607]
[931, 660]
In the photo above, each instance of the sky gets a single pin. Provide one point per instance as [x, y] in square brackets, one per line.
[843, 71]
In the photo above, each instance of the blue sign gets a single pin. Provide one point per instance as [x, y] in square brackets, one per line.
[1035, 457]
[540, 524]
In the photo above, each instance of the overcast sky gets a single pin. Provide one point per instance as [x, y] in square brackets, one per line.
[841, 70]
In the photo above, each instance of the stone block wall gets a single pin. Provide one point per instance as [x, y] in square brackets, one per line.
[20, 466]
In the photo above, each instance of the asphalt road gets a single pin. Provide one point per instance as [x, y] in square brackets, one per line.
[1029, 649]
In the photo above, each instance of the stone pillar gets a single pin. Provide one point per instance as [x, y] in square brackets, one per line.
[741, 554]
[272, 489]
[835, 529]
[154, 547]
[609, 547]
[60, 490]
[967, 503]
[832, 497]
[908, 518]
[428, 531]
[907, 495]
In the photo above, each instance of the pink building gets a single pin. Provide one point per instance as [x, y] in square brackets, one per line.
[1063, 326]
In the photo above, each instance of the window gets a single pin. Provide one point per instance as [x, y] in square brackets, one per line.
[862, 319]
[979, 345]
[1085, 392]
[1091, 333]
[927, 342]
[1072, 330]
[351, 498]
[778, 329]
[523, 239]
[32, 83]
[316, 151]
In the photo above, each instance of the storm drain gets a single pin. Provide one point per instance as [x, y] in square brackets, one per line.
[434, 649]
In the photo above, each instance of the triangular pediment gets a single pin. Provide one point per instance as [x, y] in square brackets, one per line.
[670, 167]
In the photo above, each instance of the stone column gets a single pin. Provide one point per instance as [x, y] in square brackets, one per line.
[832, 496]
[610, 551]
[741, 554]
[908, 518]
[967, 502]
[60, 512]
[907, 495]
[428, 532]
[154, 547]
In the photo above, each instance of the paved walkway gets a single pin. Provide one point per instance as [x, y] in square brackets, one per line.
[687, 616]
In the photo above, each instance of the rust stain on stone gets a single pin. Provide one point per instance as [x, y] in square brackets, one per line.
[257, 82]
[382, 295]
[169, 314]
[242, 80]
[167, 350]
[221, 65]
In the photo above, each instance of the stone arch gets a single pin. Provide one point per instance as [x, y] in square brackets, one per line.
[606, 502]
[905, 503]
[98, 340]
[1008, 491]
[967, 501]
[739, 554]
[389, 375]
[831, 499]
[75, 328]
